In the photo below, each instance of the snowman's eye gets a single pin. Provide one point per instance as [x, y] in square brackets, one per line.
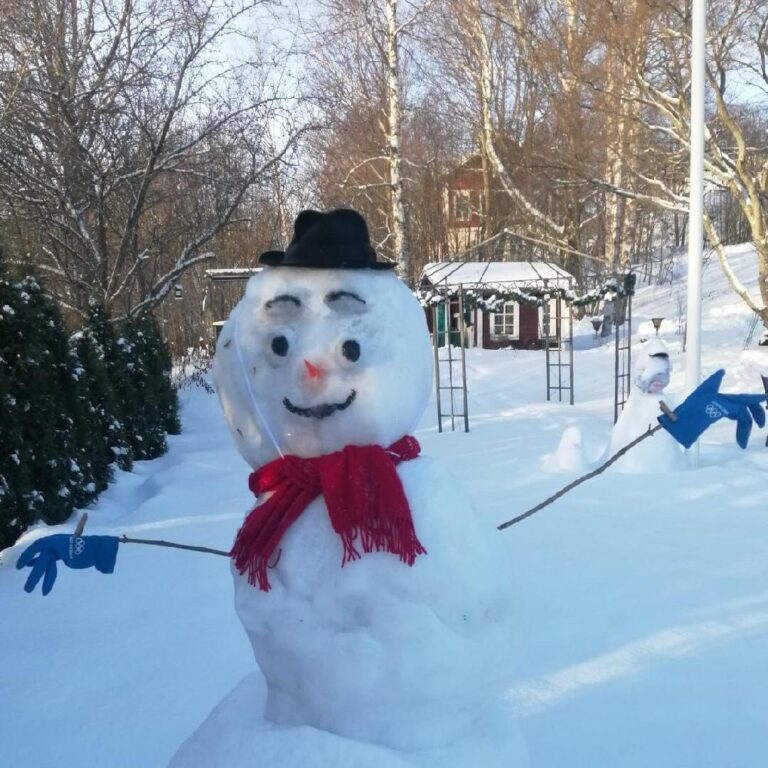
[351, 350]
[280, 346]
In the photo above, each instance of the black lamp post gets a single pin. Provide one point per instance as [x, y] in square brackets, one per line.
[657, 321]
[596, 323]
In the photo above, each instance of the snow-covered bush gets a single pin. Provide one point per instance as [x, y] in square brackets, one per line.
[151, 409]
[47, 445]
[192, 370]
[73, 406]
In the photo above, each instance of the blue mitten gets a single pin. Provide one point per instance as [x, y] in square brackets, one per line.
[74, 551]
[706, 405]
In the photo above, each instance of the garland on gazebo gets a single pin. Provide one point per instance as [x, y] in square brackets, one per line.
[491, 296]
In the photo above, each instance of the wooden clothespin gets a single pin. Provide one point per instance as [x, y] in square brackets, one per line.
[668, 411]
[81, 524]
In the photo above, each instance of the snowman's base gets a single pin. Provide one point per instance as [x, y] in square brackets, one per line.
[235, 735]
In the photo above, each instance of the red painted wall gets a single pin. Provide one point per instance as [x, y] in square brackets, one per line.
[529, 326]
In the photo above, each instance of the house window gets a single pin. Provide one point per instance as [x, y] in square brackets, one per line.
[554, 320]
[505, 324]
[462, 206]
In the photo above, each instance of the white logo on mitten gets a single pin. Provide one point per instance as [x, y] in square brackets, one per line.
[714, 411]
[76, 546]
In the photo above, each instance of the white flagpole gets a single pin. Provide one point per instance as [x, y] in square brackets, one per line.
[696, 203]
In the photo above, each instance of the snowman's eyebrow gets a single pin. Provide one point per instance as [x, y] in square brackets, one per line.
[336, 295]
[282, 297]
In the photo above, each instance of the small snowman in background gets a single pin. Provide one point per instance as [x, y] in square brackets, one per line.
[660, 453]
[376, 602]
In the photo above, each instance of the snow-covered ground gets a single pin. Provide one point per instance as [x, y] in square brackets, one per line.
[641, 600]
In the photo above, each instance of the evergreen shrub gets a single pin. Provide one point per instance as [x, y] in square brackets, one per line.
[73, 408]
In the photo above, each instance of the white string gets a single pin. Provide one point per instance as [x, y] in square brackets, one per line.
[254, 402]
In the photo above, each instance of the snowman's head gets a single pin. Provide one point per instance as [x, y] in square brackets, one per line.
[331, 357]
[654, 367]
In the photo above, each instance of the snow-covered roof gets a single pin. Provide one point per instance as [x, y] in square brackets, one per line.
[232, 273]
[448, 274]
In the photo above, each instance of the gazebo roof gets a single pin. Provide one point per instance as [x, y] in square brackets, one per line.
[479, 274]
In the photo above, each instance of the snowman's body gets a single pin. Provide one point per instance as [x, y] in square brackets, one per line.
[659, 453]
[406, 657]
[377, 652]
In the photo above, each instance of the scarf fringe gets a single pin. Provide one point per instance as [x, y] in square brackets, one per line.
[396, 537]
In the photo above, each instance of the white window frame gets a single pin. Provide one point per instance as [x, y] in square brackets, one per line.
[461, 198]
[552, 318]
[510, 308]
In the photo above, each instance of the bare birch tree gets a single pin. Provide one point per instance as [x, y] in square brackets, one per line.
[479, 31]
[357, 65]
[527, 66]
[736, 158]
[134, 139]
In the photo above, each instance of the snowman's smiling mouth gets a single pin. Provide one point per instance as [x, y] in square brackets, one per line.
[322, 410]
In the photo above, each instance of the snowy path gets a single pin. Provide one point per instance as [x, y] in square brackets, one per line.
[642, 599]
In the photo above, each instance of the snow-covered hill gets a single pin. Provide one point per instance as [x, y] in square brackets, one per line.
[641, 600]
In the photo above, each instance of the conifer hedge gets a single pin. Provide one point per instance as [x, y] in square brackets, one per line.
[73, 407]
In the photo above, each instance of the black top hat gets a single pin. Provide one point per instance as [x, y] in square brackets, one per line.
[335, 240]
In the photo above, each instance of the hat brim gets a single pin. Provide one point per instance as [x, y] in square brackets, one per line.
[277, 259]
[272, 258]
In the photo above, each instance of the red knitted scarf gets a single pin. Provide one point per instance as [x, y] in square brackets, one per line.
[362, 491]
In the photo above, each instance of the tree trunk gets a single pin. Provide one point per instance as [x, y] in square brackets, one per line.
[394, 145]
[486, 223]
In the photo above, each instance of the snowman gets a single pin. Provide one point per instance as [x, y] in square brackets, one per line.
[375, 601]
[660, 453]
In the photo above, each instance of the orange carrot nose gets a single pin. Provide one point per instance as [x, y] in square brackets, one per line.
[313, 371]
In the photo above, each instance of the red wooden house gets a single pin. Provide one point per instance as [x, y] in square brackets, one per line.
[464, 205]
